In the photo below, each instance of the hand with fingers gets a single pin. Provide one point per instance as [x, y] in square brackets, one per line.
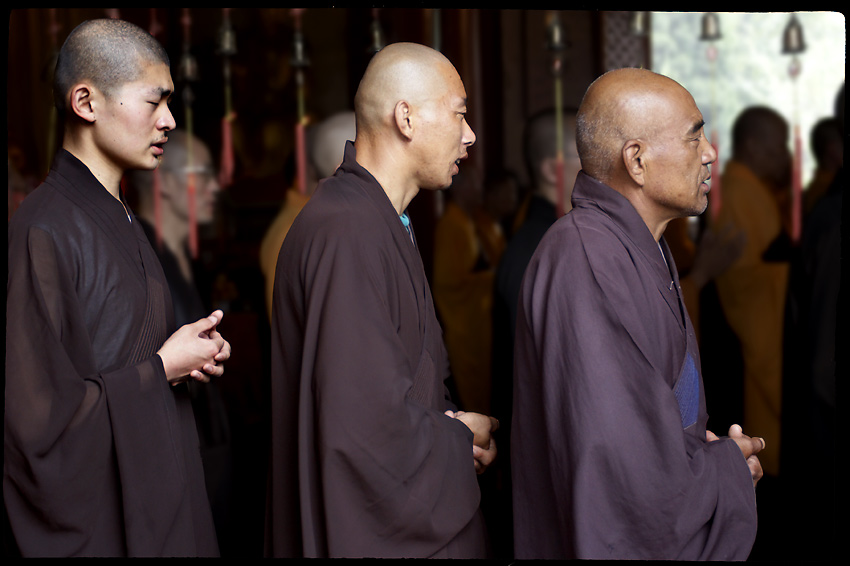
[483, 443]
[750, 446]
[196, 351]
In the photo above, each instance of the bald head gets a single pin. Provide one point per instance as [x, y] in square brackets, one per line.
[327, 142]
[107, 52]
[760, 141]
[175, 159]
[621, 105]
[540, 139]
[184, 153]
[400, 71]
[410, 113]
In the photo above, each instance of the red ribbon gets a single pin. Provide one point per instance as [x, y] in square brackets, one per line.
[193, 223]
[225, 174]
[300, 140]
[301, 156]
[154, 29]
[227, 165]
[797, 187]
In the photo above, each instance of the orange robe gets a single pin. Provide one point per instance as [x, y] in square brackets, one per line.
[463, 293]
[273, 239]
[752, 293]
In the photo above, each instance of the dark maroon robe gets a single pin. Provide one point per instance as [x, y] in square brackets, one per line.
[364, 463]
[101, 454]
[609, 450]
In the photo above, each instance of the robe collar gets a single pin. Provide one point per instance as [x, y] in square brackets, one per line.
[591, 193]
[376, 194]
[76, 181]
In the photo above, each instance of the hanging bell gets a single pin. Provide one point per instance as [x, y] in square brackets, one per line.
[710, 27]
[299, 55]
[227, 40]
[638, 24]
[377, 33]
[188, 68]
[555, 35]
[792, 37]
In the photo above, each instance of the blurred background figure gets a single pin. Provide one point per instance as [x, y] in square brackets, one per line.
[464, 268]
[20, 185]
[752, 291]
[828, 149]
[506, 64]
[814, 359]
[493, 218]
[700, 258]
[326, 143]
[536, 214]
[178, 165]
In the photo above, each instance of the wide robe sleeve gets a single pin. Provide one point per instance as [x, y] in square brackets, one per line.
[601, 464]
[93, 443]
[382, 472]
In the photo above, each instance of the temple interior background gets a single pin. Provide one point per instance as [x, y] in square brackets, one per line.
[506, 60]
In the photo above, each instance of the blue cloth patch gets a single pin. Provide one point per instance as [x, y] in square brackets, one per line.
[687, 392]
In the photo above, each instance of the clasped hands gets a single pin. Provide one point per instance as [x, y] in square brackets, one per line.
[750, 446]
[196, 351]
[483, 443]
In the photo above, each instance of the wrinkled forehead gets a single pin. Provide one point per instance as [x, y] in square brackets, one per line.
[661, 107]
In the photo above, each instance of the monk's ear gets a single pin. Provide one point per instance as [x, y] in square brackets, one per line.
[402, 116]
[81, 102]
[634, 160]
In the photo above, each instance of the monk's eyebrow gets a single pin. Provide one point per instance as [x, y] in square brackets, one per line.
[160, 92]
[697, 127]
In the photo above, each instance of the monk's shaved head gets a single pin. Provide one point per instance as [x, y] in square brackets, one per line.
[410, 114]
[400, 71]
[107, 52]
[620, 105]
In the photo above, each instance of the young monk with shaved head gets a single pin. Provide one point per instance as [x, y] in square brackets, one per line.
[101, 449]
[610, 453]
[369, 456]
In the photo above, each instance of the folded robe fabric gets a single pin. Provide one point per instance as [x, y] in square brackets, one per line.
[608, 446]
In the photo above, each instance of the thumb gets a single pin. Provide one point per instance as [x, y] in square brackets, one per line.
[208, 323]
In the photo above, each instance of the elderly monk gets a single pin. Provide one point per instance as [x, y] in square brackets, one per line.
[100, 449]
[610, 453]
[369, 457]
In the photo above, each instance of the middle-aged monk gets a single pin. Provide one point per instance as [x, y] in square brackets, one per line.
[610, 453]
[369, 458]
[100, 448]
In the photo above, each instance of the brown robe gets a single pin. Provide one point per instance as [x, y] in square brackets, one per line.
[608, 446]
[101, 454]
[364, 463]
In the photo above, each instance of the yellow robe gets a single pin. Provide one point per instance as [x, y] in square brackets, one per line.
[273, 239]
[464, 298]
[753, 294]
